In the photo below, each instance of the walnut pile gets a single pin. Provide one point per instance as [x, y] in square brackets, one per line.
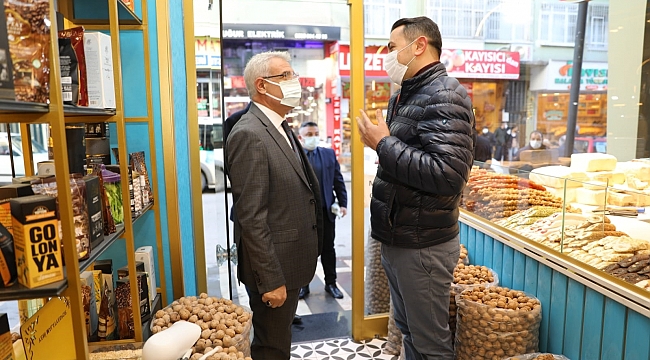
[472, 274]
[495, 322]
[224, 324]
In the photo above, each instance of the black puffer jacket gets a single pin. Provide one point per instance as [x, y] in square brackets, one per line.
[425, 163]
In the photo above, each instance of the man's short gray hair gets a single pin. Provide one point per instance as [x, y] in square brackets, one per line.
[258, 66]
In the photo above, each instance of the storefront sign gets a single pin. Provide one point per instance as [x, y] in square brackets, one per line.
[374, 60]
[557, 75]
[481, 64]
[471, 64]
[307, 81]
[278, 31]
[337, 137]
[207, 52]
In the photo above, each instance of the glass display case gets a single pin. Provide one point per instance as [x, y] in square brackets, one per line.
[591, 217]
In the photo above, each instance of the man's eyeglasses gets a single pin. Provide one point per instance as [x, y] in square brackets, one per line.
[287, 75]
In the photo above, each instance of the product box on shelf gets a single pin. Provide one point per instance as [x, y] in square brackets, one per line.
[99, 68]
[94, 204]
[8, 269]
[28, 31]
[6, 67]
[126, 327]
[50, 329]
[97, 130]
[89, 303]
[6, 345]
[146, 256]
[8, 192]
[116, 169]
[46, 168]
[73, 44]
[36, 240]
[143, 286]
[108, 306]
[29, 179]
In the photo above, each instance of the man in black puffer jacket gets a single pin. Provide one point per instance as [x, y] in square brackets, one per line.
[425, 155]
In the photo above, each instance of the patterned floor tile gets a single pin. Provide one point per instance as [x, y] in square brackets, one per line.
[303, 351]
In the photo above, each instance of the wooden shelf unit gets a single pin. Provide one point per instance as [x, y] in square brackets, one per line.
[57, 115]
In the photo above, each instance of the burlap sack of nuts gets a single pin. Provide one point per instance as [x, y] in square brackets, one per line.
[468, 277]
[377, 291]
[496, 322]
[223, 323]
[538, 356]
[394, 338]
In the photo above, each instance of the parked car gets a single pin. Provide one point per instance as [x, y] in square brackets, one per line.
[211, 156]
[39, 154]
[590, 145]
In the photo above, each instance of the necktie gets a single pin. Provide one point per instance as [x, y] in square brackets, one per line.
[289, 133]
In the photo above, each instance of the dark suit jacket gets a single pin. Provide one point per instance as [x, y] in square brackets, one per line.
[331, 181]
[482, 150]
[278, 223]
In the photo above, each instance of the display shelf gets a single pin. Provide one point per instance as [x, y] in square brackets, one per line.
[20, 292]
[13, 107]
[108, 241]
[98, 251]
[74, 111]
[99, 11]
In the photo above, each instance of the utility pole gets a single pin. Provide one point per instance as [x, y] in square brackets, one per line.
[574, 95]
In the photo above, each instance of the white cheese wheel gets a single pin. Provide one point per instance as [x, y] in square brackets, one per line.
[637, 169]
[554, 176]
[593, 162]
[590, 197]
[611, 177]
[559, 192]
[172, 343]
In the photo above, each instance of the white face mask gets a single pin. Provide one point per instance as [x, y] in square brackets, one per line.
[291, 92]
[310, 142]
[394, 68]
[485, 131]
[535, 144]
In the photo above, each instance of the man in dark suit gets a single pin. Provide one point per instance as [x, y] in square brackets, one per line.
[278, 212]
[332, 185]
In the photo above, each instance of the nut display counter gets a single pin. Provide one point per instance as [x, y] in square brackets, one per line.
[578, 239]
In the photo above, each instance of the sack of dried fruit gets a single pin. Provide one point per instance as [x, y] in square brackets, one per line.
[224, 323]
[496, 322]
[468, 277]
[394, 338]
[377, 290]
[538, 356]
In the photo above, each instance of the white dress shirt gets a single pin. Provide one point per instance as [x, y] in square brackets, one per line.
[276, 120]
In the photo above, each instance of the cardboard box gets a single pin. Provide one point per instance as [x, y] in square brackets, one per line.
[36, 240]
[99, 68]
[145, 255]
[8, 192]
[94, 204]
[89, 303]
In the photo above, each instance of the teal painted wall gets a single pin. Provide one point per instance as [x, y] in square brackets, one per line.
[135, 105]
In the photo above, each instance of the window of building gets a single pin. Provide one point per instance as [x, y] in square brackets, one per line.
[380, 16]
[459, 18]
[558, 25]
[507, 21]
[597, 27]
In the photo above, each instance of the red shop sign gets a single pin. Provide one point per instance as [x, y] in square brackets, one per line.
[481, 64]
[374, 60]
[307, 81]
[337, 135]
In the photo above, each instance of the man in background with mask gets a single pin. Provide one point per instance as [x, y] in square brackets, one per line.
[332, 187]
[277, 204]
[536, 142]
[425, 150]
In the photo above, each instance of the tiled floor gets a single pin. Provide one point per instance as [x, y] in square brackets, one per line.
[341, 349]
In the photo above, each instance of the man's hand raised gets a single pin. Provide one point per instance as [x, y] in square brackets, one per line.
[371, 134]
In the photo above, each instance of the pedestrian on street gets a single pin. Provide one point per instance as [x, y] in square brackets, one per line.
[502, 140]
[425, 150]
[328, 171]
[278, 216]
